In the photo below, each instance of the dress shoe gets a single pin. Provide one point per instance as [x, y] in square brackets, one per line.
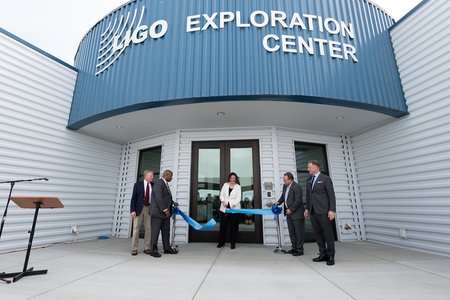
[147, 251]
[297, 253]
[330, 261]
[321, 257]
[155, 254]
[290, 251]
[220, 245]
[171, 251]
[134, 252]
[233, 246]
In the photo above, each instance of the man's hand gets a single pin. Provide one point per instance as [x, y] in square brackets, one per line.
[288, 211]
[133, 214]
[331, 215]
[167, 213]
[306, 213]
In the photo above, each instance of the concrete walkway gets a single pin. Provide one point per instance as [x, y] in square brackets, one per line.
[104, 269]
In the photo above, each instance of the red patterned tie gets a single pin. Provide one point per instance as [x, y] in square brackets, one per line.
[147, 195]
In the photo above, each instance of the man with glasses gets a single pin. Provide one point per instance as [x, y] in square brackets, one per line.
[294, 212]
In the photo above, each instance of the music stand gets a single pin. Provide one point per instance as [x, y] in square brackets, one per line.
[37, 203]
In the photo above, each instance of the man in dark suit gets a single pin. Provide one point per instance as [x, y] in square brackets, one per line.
[321, 206]
[294, 212]
[160, 211]
[139, 209]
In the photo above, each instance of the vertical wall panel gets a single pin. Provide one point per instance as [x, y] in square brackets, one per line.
[128, 175]
[277, 156]
[339, 173]
[403, 168]
[35, 98]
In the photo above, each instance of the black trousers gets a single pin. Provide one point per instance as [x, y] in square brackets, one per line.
[158, 225]
[228, 221]
[296, 229]
[324, 234]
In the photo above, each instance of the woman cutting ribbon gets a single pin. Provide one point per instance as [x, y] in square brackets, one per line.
[230, 197]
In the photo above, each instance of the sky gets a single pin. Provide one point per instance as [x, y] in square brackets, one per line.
[57, 26]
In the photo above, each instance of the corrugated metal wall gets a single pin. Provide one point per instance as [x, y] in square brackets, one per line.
[35, 98]
[403, 168]
[277, 156]
[231, 63]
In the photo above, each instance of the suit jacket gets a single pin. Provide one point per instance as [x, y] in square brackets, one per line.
[138, 197]
[321, 196]
[294, 201]
[233, 198]
[161, 199]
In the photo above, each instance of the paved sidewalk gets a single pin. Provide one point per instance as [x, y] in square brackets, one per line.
[104, 269]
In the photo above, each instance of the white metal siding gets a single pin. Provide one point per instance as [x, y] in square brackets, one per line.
[35, 99]
[128, 175]
[403, 168]
[176, 155]
[277, 156]
[346, 205]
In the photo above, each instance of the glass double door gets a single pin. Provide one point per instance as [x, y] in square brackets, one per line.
[212, 161]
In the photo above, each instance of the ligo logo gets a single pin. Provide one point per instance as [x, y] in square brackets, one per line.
[121, 33]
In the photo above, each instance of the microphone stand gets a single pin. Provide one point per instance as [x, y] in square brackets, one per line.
[12, 182]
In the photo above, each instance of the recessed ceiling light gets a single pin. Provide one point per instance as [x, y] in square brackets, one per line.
[221, 114]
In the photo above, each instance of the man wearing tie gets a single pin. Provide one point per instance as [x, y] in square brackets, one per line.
[160, 211]
[321, 206]
[139, 209]
[294, 211]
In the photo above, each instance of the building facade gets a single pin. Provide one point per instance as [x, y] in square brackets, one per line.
[208, 89]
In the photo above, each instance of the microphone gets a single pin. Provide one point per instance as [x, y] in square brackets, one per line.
[24, 180]
[42, 178]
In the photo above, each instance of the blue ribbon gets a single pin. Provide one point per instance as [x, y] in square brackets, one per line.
[275, 210]
[194, 224]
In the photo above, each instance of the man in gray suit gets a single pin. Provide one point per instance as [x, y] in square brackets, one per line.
[321, 206]
[160, 211]
[294, 211]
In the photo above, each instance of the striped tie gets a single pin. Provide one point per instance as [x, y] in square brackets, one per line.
[168, 189]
